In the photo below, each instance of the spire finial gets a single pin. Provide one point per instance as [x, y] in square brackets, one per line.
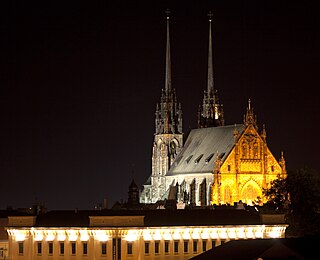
[210, 15]
[168, 59]
[249, 104]
[168, 13]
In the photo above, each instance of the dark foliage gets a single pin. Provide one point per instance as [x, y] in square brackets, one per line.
[299, 196]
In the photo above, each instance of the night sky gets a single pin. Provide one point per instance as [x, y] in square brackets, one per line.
[79, 82]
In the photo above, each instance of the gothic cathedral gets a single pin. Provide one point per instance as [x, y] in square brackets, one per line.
[218, 164]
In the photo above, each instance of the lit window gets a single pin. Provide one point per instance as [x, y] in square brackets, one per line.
[73, 248]
[176, 246]
[39, 248]
[195, 246]
[103, 248]
[166, 247]
[204, 245]
[185, 246]
[50, 248]
[85, 248]
[20, 248]
[146, 247]
[156, 247]
[61, 248]
[129, 248]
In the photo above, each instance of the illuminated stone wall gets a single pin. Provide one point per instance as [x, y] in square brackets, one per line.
[248, 169]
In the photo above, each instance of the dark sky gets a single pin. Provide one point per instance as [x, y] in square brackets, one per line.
[79, 82]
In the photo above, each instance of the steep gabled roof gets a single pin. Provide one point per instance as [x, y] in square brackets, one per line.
[202, 147]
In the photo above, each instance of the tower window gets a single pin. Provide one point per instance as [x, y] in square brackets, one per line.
[272, 168]
[229, 167]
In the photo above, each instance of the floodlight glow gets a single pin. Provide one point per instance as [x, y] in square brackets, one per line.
[84, 235]
[72, 235]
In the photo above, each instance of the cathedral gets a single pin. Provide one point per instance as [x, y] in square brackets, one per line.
[218, 164]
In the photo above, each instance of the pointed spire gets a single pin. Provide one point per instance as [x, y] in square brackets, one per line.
[168, 58]
[210, 64]
[211, 112]
[249, 117]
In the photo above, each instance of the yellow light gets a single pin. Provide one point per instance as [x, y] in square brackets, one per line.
[37, 234]
[249, 232]
[101, 235]
[222, 233]
[240, 233]
[167, 236]
[176, 235]
[231, 233]
[259, 232]
[186, 234]
[61, 235]
[157, 235]
[131, 236]
[19, 235]
[50, 234]
[146, 235]
[72, 235]
[84, 235]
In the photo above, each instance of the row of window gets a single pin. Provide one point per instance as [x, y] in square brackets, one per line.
[73, 246]
[175, 246]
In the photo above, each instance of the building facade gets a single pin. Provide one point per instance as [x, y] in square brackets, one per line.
[79, 235]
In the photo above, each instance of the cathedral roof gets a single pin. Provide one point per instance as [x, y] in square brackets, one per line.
[202, 148]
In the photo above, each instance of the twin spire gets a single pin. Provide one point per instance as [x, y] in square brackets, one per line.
[169, 113]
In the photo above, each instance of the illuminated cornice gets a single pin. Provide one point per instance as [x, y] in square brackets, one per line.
[150, 233]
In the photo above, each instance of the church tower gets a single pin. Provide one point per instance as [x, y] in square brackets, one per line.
[210, 113]
[168, 138]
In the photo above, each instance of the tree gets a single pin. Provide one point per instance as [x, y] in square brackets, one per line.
[278, 193]
[301, 192]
